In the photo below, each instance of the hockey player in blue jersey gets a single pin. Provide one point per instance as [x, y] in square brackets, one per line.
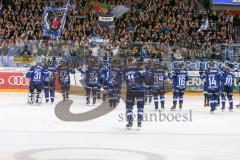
[179, 78]
[91, 81]
[114, 90]
[213, 79]
[105, 76]
[149, 91]
[64, 78]
[135, 81]
[36, 75]
[156, 80]
[111, 78]
[49, 82]
[227, 86]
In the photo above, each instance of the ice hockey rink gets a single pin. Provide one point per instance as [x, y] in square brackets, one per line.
[35, 133]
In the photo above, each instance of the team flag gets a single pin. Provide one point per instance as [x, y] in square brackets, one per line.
[100, 7]
[54, 19]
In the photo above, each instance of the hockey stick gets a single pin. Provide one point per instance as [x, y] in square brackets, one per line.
[75, 79]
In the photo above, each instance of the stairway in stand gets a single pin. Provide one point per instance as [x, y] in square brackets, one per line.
[200, 6]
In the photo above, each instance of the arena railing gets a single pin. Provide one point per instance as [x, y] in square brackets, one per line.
[141, 50]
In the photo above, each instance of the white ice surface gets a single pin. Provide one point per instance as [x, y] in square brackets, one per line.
[35, 133]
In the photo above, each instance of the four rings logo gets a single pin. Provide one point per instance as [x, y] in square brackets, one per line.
[1, 81]
[18, 81]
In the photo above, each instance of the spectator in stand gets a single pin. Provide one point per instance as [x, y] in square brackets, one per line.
[26, 52]
[169, 22]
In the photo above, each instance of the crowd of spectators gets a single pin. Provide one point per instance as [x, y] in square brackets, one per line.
[165, 27]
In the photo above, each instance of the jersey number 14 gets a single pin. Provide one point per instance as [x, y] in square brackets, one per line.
[212, 81]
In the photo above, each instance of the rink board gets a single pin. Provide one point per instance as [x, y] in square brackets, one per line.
[15, 81]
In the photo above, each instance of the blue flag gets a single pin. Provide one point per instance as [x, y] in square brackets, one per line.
[54, 19]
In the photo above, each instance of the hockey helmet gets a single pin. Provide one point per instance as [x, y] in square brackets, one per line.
[38, 61]
[230, 65]
[49, 62]
[181, 65]
[116, 61]
[62, 63]
[212, 64]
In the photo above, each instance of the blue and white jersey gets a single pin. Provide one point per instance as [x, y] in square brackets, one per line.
[64, 74]
[135, 79]
[116, 76]
[37, 74]
[110, 77]
[179, 78]
[91, 75]
[156, 78]
[51, 73]
[228, 78]
[213, 79]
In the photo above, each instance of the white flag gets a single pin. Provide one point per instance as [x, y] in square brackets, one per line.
[203, 27]
[120, 10]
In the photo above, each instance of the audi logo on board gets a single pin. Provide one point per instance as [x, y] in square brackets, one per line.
[1, 81]
[18, 81]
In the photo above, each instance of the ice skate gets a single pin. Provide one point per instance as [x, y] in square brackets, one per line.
[180, 107]
[104, 97]
[111, 104]
[139, 124]
[173, 108]
[94, 100]
[114, 104]
[38, 101]
[129, 125]
[88, 102]
[64, 98]
[222, 109]
[98, 96]
[145, 100]
[212, 110]
[52, 100]
[162, 108]
[150, 100]
[238, 106]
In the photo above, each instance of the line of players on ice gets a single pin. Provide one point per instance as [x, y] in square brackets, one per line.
[43, 77]
[140, 81]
